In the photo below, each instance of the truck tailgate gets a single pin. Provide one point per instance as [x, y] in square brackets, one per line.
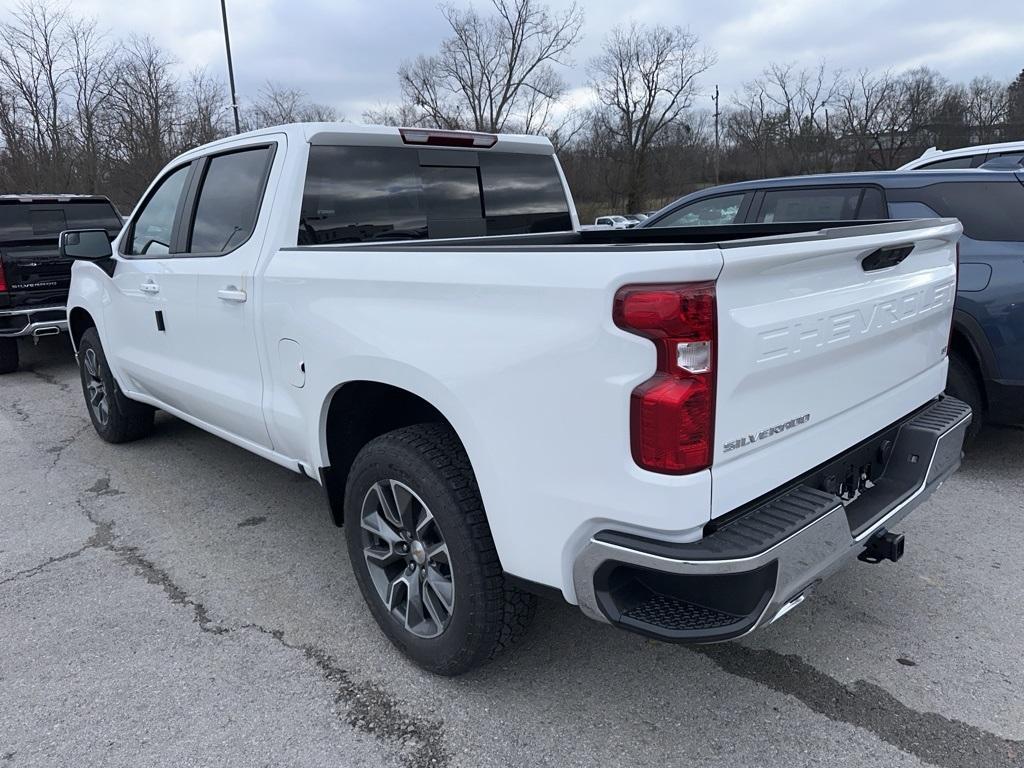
[824, 341]
[36, 274]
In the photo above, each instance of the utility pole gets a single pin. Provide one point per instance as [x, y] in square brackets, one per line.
[717, 113]
[231, 68]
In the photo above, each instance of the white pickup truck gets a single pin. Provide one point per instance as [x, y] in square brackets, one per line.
[682, 431]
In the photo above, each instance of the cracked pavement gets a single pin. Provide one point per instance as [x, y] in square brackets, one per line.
[178, 601]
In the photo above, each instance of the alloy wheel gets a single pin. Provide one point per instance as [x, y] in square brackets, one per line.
[407, 558]
[99, 403]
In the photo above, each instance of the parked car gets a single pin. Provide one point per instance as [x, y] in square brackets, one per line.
[966, 157]
[504, 405]
[986, 366]
[615, 222]
[34, 277]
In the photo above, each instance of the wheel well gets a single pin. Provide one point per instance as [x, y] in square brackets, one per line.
[359, 412]
[961, 346]
[79, 321]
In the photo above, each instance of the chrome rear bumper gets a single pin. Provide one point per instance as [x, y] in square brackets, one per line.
[35, 322]
[762, 562]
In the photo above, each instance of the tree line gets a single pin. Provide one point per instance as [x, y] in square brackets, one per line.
[82, 112]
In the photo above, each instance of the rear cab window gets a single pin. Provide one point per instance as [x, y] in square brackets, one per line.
[45, 219]
[360, 193]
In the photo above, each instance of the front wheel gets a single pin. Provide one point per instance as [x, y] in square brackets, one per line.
[423, 555]
[114, 417]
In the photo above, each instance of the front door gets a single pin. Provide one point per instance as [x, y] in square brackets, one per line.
[149, 290]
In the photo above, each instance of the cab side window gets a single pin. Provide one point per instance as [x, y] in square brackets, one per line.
[229, 200]
[154, 226]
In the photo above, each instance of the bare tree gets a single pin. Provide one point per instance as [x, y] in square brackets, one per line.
[987, 109]
[866, 107]
[1015, 107]
[93, 66]
[752, 127]
[389, 114]
[34, 67]
[277, 104]
[644, 81]
[800, 99]
[204, 107]
[496, 72]
[146, 103]
[886, 119]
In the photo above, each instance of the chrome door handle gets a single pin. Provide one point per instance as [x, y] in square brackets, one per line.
[149, 287]
[232, 294]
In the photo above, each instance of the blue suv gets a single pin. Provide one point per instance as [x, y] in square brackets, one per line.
[986, 358]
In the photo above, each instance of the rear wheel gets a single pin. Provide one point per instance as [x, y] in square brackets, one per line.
[115, 418]
[423, 555]
[962, 383]
[8, 355]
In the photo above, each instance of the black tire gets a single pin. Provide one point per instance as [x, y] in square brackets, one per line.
[115, 418]
[962, 383]
[8, 355]
[487, 614]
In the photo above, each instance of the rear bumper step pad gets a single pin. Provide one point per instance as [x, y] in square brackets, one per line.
[756, 563]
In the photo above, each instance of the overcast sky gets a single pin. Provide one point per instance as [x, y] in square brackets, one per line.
[345, 53]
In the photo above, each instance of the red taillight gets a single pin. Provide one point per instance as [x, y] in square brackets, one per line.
[3, 279]
[672, 414]
[447, 138]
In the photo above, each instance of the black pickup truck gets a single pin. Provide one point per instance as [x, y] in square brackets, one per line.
[34, 279]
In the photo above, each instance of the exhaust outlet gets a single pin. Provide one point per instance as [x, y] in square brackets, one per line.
[47, 330]
[884, 545]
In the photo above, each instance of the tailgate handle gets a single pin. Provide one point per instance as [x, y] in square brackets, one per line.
[886, 257]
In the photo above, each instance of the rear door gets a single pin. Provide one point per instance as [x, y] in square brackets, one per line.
[214, 348]
[823, 341]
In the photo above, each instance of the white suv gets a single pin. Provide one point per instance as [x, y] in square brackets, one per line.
[965, 157]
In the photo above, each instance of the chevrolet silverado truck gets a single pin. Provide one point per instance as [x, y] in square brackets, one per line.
[682, 431]
[34, 277]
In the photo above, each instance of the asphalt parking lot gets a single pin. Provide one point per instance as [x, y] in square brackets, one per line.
[179, 601]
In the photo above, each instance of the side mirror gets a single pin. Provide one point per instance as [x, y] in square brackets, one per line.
[86, 244]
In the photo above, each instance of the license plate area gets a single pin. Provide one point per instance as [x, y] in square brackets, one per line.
[919, 451]
[887, 468]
